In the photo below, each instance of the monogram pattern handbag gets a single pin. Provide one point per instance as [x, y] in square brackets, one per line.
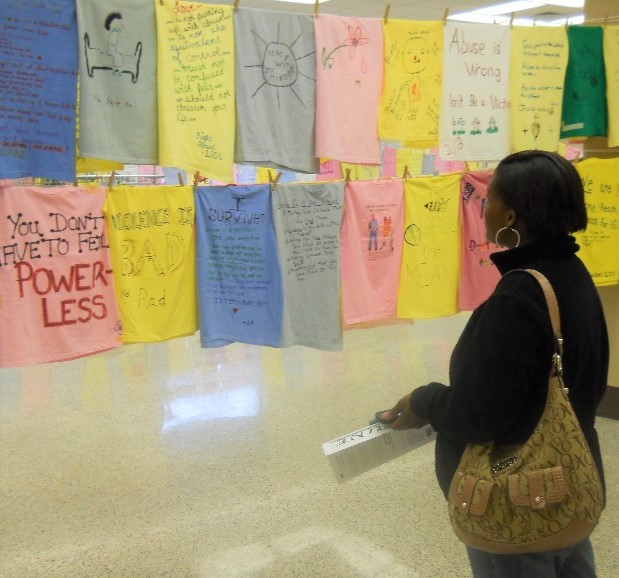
[543, 495]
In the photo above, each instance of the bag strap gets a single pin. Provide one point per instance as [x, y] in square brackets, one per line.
[555, 319]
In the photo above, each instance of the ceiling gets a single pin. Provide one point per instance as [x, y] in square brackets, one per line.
[406, 9]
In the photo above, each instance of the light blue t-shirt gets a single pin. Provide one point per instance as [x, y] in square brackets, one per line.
[239, 281]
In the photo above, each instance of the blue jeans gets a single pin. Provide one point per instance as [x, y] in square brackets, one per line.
[574, 562]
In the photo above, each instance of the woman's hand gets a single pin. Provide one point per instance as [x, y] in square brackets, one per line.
[402, 416]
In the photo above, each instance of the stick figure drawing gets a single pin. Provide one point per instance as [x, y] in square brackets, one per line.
[112, 57]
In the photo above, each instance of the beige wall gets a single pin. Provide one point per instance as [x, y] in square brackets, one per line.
[598, 147]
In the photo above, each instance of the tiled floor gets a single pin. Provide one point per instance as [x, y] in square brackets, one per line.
[170, 460]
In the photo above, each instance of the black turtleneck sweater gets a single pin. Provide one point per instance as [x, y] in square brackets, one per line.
[499, 368]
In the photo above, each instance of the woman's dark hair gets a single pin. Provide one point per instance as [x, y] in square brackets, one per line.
[545, 191]
[111, 17]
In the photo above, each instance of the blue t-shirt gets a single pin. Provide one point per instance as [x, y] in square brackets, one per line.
[239, 280]
[38, 91]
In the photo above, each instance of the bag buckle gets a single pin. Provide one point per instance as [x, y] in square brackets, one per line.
[503, 464]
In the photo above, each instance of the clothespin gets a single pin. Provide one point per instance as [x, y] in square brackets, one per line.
[274, 181]
[386, 16]
[196, 181]
[605, 21]
[110, 182]
[511, 20]
[445, 15]
[567, 23]
[180, 179]
[236, 5]
[407, 173]
[467, 168]
[316, 7]
[348, 175]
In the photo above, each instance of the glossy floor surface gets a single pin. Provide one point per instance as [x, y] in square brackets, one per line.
[171, 460]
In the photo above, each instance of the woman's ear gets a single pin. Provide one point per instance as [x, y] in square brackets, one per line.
[511, 218]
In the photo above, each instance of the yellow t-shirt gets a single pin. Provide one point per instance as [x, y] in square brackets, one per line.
[611, 63]
[538, 60]
[412, 82]
[431, 255]
[152, 245]
[599, 244]
[195, 85]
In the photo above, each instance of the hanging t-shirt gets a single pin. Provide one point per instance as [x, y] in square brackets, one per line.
[151, 235]
[275, 89]
[349, 77]
[431, 252]
[195, 60]
[412, 85]
[371, 248]
[330, 170]
[611, 67]
[599, 244]
[360, 172]
[584, 95]
[83, 165]
[57, 291]
[537, 70]
[474, 116]
[118, 80]
[38, 89]
[307, 219]
[239, 280]
[478, 275]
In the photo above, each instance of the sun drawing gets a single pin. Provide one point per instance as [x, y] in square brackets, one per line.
[280, 66]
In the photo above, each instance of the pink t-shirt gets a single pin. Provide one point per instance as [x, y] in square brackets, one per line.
[349, 77]
[56, 287]
[478, 275]
[371, 248]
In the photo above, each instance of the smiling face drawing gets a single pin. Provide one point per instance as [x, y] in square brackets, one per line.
[415, 55]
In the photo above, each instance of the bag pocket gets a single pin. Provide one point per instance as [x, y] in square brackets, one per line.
[537, 488]
[470, 494]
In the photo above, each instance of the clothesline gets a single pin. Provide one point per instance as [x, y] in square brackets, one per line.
[604, 20]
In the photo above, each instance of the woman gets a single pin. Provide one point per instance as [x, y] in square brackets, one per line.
[499, 368]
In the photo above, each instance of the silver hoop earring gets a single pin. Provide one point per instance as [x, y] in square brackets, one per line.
[511, 229]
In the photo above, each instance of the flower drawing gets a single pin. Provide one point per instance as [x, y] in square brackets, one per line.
[354, 39]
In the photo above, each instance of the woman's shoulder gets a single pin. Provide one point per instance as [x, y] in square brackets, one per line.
[571, 284]
[519, 283]
[518, 295]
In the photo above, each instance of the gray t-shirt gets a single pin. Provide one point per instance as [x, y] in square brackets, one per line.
[307, 219]
[275, 89]
[118, 81]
